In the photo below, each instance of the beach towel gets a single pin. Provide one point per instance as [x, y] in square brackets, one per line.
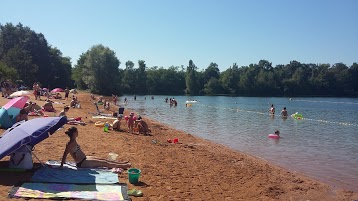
[47, 174]
[116, 192]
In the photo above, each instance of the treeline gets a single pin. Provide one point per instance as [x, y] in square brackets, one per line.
[26, 55]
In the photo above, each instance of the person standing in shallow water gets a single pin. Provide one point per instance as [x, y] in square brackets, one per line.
[284, 112]
[272, 110]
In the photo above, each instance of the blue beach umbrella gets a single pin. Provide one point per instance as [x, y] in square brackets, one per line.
[29, 133]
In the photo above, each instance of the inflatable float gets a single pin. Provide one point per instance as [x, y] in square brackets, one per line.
[99, 124]
[191, 101]
[273, 136]
[297, 116]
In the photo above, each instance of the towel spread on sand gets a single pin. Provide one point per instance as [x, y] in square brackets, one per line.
[70, 176]
[71, 191]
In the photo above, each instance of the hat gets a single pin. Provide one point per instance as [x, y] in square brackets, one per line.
[131, 114]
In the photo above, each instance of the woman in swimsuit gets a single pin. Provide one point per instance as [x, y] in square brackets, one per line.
[83, 161]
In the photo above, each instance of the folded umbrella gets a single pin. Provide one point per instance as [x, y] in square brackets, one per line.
[57, 90]
[20, 93]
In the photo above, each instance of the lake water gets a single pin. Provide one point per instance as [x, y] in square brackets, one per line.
[323, 145]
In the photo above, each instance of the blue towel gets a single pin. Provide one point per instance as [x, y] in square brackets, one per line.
[71, 176]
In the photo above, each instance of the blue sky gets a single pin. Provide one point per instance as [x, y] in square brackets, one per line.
[168, 32]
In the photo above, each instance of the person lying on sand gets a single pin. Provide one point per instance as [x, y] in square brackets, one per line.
[83, 161]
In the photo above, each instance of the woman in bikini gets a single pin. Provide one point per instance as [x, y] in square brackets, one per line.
[83, 161]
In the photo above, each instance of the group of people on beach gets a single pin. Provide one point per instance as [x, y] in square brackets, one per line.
[72, 147]
[134, 124]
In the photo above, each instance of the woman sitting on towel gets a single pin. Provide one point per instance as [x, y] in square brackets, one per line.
[83, 161]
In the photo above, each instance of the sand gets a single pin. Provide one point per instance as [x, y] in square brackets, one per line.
[193, 169]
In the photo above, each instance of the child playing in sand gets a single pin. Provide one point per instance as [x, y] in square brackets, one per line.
[130, 122]
[142, 126]
[117, 123]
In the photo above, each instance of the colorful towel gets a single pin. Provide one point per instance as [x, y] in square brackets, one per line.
[70, 176]
[71, 191]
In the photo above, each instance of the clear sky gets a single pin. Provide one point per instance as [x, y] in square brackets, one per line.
[170, 32]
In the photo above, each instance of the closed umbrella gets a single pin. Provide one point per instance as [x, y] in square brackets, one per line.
[57, 90]
[20, 93]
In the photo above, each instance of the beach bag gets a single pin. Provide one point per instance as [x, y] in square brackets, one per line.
[22, 158]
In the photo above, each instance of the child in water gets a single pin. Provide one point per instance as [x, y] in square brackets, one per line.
[277, 133]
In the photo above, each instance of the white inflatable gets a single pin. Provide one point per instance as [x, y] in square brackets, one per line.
[191, 101]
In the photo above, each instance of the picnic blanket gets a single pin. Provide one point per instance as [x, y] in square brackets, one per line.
[72, 176]
[117, 192]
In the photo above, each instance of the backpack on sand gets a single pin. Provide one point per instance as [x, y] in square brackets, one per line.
[22, 158]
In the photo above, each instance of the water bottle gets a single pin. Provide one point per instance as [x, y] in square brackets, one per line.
[106, 127]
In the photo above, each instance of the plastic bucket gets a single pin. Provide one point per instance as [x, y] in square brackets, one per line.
[112, 156]
[133, 175]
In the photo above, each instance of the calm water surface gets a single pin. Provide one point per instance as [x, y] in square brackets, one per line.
[323, 145]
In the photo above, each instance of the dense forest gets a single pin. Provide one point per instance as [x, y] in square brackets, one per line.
[26, 57]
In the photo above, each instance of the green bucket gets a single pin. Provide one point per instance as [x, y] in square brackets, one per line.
[133, 175]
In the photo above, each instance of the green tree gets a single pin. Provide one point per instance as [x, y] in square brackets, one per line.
[354, 77]
[141, 78]
[100, 70]
[129, 78]
[190, 79]
[7, 72]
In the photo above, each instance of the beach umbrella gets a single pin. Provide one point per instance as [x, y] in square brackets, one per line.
[29, 133]
[10, 110]
[20, 93]
[57, 90]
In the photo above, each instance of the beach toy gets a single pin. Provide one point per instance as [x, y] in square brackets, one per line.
[133, 175]
[297, 116]
[273, 136]
[175, 140]
[112, 156]
[99, 124]
[106, 125]
[169, 140]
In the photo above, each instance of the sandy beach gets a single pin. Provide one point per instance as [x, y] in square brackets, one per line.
[193, 169]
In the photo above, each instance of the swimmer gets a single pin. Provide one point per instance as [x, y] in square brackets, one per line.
[277, 132]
